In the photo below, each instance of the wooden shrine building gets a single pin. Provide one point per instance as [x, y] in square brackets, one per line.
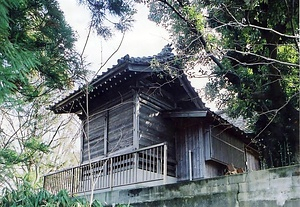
[144, 124]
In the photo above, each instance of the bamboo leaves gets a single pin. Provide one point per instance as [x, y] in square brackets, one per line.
[25, 196]
[36, 49]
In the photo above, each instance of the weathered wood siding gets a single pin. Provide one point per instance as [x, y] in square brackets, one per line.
[155, 129]
[93, 144]
[214, 169]
[190, 149]
[225, 148]
[252, 160]
[120, 124]
[110, 129]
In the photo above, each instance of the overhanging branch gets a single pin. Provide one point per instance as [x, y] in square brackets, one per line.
[196, 32]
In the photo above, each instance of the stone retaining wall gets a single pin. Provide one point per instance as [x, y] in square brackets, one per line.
[272, 187]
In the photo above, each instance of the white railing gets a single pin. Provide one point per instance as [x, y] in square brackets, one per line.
[144, 165]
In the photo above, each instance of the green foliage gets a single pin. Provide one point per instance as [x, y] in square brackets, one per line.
[261, 72]
[9, 157]
[183, 20]
[36, 49]
[110, 15]
[35, 145]
[257, 76]
[26, 196]
[31, 142]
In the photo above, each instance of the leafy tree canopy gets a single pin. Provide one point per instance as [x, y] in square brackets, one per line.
[36, 49]
[255, 47]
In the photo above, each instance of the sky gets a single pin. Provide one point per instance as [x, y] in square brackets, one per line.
[144, 39]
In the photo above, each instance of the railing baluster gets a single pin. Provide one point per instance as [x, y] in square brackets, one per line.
[116, 171]
[123, 170]
[81, 179]
[156, 163]
[150, 164]
[136, 166]
[124, 181]
[59, 181]
[72, 182]
[111, 172]
[146, 164]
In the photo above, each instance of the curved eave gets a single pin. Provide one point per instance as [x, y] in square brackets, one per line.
[139, 64]
[100, 85]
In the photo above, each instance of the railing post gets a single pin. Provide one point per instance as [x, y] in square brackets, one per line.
[72, 182]
[165, 163]
[136, 167]
[190, 165]
[111, 173]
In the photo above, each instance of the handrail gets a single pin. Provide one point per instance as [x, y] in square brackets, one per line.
[105, 158]
[142, 165]
[149, 147]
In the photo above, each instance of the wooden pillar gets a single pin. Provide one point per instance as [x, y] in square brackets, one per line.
[165, 163]
[136, 112]
[106, 117]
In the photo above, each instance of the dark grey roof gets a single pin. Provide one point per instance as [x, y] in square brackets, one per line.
[128, 67]
[238, 122]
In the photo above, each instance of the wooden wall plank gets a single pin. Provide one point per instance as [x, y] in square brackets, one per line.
[226, 148]
[154, 128]
[190, 138]
[110, 129]
[120, 124]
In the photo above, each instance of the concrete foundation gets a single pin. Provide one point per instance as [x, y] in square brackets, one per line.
[264, 188]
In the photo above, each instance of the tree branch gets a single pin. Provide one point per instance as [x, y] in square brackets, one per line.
[196, 32]
[259, 27]
[263, 57]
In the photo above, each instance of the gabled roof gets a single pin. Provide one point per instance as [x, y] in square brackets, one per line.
[127, 68]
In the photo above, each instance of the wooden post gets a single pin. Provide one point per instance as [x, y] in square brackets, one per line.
[44, 183]
[165, 163]
[136, 163]
[136, 112]
[106, 117]
[111, 173]
[190, 165]
[72, 182]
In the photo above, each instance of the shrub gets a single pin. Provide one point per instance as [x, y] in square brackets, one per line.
[26, 196]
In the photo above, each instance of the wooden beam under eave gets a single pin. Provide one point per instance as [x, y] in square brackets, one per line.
[185, 114]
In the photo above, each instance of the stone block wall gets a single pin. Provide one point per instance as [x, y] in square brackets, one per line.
[264, 188]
